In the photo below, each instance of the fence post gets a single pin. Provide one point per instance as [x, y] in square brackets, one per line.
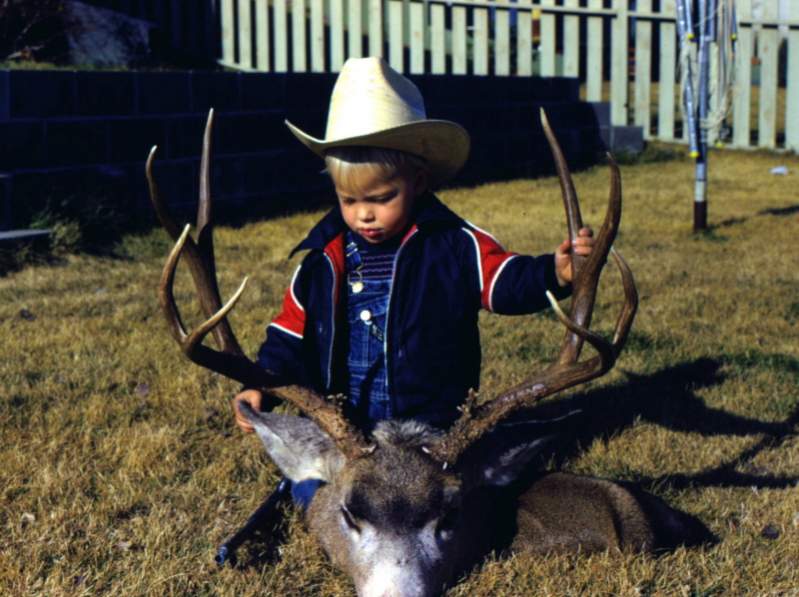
[438, 40]
[228, 43]
[395, 36]
[768, 48]
[792, 91]
[524, 39]
[262, 35]
[667, 73]
[743, 77]
[502, 42]
[417, 36]
[619, 68]
[546, 47]
[375, 27]
[459, 59]
[245, 35]
[571, 41]
[336, 35]
[480, 41]
[280, 36]
[643, 67]
[299, 58]
[594, 66]
[355, 29]
[317, 36]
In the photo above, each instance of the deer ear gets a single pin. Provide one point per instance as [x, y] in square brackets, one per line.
[501, 455]
[502, 467]
[296, 445]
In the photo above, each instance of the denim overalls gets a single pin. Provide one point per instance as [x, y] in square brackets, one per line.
[367, 306]
[368, 290]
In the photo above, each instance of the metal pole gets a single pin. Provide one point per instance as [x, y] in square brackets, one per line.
[685, 30]
[700, 189]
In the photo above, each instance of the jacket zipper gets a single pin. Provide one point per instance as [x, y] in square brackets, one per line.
[332, 322]
[388, 322]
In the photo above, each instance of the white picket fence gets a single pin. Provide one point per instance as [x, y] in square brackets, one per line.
[530, 37]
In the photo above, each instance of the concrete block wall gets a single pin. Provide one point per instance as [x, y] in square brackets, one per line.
[66, 133]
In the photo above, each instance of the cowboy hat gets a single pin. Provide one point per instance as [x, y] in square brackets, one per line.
[373, 105]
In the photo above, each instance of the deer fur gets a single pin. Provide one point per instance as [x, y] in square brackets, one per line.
[400, 525]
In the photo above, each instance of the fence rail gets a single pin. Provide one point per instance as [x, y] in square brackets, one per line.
[623, 51]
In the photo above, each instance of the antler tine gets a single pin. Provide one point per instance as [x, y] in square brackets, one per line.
[574, 219]
[204, 208]
[627, 314]
[199, 257]
[585, 270]
[205, 236]
[230, 361]
[166, 296]
[566, 371]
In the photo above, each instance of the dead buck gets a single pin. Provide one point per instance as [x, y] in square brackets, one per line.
[403, 511]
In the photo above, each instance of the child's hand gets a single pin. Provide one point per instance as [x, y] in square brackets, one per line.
[583, 245]
[251, 397]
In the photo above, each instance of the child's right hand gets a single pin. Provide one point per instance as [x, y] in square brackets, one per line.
[251, 397]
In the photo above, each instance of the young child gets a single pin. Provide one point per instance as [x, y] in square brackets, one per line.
[384, 306]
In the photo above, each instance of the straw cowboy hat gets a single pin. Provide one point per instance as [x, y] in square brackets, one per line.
[373, 105]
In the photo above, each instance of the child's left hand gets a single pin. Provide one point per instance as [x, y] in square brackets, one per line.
[583, 245]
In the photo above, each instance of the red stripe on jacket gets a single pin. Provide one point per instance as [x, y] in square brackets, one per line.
[291, 318]
[492, 258]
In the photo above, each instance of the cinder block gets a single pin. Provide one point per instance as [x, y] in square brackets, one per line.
[601, 112]
[21, 144]
[220, 91]
[309, 91]
[5, 97]
[178, 185]
[5, 201]
[606, 135]
[266, 91]
[163, 93]
[72, 142]
[262, 170]
[185, 136]
[254, 132]
[132, 138]
[105, 93]
[627, 139]
[43, 94]
[311, 120]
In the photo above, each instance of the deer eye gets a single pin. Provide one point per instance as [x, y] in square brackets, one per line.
[446, 524]
[345, 514]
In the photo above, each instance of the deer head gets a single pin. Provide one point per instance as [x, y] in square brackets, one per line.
[394, 508]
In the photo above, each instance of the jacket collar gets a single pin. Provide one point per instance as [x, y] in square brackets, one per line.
[430, 212]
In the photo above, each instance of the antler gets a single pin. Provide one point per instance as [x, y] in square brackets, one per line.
[230, 360]
[566, 371]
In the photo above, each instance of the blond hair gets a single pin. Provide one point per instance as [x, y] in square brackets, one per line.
[345, 165]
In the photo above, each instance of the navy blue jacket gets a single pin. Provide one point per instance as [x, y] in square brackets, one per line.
[445, 271]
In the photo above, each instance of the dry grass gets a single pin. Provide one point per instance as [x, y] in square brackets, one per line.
[121, 469]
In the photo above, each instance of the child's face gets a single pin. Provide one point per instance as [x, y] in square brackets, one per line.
[377, 208]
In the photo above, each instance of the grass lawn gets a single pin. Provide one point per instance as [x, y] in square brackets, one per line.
[122, 470]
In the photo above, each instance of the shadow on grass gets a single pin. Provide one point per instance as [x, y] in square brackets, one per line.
[780, 211]
[668, 398]
[712, 232]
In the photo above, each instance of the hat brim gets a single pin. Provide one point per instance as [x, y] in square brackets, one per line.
[444, 145]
